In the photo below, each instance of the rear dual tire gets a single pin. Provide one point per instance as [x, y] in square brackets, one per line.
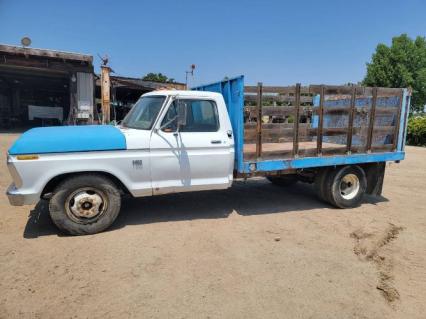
[342, 187]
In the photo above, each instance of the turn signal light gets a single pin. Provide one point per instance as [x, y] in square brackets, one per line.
[27, 157]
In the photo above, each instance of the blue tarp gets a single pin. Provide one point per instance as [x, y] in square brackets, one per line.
[62, 139]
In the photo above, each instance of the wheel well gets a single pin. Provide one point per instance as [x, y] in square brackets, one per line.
[50, 186]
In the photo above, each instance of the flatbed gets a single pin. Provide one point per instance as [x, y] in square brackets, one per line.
[313, 126]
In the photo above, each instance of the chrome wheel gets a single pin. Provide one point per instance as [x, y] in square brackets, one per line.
[349, 186]
[86, 205]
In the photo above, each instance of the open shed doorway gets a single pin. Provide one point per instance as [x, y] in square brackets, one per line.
[41, 87]
[33, 98]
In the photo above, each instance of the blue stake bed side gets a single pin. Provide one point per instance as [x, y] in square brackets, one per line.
[233, 91]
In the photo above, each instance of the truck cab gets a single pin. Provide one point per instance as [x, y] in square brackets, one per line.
[185, 132]
[171, 141]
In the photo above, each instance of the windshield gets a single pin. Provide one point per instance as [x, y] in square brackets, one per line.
[144, 112]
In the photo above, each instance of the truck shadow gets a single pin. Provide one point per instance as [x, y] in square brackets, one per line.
[39, 222]
[253, 197]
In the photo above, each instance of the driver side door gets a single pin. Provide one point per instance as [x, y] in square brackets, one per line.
[196, 156]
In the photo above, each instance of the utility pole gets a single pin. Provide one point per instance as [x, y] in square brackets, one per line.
[105, 93]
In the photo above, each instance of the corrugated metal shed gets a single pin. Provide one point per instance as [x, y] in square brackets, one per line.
[135, 83]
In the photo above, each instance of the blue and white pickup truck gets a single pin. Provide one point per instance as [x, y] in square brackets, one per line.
[337, 138]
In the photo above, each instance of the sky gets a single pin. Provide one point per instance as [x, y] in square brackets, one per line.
[274, 42]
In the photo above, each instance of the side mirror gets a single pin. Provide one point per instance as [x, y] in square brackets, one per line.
[181, 113]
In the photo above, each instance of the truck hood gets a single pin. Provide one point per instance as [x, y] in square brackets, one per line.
[63, 139]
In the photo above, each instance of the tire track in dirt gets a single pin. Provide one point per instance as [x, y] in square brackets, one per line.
[370, 247]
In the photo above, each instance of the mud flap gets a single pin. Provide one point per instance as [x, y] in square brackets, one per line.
[375, 174]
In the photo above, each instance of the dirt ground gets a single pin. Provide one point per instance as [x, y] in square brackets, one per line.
[255, 251]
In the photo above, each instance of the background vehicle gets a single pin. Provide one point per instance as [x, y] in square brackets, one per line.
[338, 138]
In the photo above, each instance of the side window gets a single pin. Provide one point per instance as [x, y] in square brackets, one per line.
[169, 123]
[202, 116]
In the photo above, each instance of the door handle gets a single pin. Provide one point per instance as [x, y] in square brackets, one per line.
[216, 142]
[229, 133]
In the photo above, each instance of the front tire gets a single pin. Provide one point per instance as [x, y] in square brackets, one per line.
[344, 187]
[85, 204]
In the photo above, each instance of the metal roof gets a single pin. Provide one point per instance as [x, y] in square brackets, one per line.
[135, 82]
[46, 53]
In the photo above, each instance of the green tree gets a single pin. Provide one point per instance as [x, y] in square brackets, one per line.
[416, 131]
[403, 64]
[158, 77]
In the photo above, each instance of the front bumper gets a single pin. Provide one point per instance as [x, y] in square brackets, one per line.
[16, 198]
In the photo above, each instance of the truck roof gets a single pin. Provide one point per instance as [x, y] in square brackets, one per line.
[183, 93]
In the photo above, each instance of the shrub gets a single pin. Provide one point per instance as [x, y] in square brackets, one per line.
[416, 130]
